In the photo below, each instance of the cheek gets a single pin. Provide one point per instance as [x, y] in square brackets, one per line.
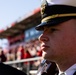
[57, 44]
[63, 44]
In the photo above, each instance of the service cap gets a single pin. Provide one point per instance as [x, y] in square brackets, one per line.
[54, 12]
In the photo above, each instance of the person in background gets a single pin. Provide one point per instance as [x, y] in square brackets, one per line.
[27, 65]
[58, 39]
[20, 55]
[3, 57]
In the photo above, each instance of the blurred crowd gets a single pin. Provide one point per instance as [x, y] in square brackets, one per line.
[30, 49]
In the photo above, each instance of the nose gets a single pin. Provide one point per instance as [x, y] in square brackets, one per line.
[43, 37]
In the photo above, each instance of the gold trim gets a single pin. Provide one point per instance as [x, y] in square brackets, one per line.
[57, 15]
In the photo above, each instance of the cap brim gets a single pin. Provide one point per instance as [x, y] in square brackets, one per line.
[53, 22]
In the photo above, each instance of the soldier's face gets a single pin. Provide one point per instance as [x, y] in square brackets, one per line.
[59, 42]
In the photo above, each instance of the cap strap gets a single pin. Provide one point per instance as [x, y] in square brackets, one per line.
[57, 15]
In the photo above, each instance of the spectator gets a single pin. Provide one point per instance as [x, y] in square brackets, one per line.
[26, 64]
[2, 57]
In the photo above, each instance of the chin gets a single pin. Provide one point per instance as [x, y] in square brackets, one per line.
[48, 58]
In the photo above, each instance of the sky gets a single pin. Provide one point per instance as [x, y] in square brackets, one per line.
[11, 10]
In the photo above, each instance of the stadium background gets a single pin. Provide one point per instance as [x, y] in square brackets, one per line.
[21, 36]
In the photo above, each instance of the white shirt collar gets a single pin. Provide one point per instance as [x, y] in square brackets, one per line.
[69, 71]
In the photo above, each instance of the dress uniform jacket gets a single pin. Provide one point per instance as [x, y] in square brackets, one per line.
[47, 68]
[8, 70]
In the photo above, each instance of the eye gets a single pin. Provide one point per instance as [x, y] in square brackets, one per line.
[53, 29]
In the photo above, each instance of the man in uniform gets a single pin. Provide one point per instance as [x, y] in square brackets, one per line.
[58, 39]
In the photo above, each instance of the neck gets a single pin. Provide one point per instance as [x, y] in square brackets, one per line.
[65, 64]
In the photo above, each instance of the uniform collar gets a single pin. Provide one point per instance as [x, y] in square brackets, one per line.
[71, 70]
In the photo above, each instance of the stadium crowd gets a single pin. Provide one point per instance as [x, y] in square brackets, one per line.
[30, 49]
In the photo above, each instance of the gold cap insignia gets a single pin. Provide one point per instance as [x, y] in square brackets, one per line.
[43, 6]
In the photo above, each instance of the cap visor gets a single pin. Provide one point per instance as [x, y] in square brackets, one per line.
[52, 22]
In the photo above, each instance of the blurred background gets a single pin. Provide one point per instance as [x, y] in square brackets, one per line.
[19, 44]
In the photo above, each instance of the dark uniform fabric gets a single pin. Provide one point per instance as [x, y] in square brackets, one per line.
[47, 68]
[74, 73]
[8, 70]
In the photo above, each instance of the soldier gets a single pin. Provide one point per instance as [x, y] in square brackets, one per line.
[58, 39]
